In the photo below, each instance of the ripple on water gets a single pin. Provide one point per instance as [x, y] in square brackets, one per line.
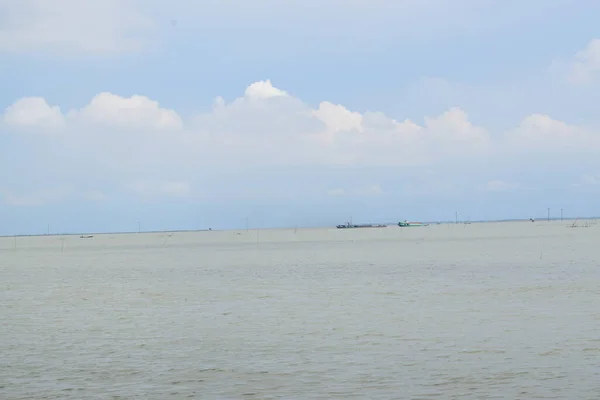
[456, 317]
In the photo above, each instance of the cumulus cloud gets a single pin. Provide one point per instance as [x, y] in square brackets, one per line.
[266, 125]
[135, 112]
[33, 112]
[263, 90]
[157, 152]
[106, 110]
[586, 63]
[539, 132]
[266, 121]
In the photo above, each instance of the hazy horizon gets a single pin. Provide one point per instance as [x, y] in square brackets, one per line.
[319, 227]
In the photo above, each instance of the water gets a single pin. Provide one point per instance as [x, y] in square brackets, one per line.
[504, 310]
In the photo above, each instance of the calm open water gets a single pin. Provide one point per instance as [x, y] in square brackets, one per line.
[480, 311]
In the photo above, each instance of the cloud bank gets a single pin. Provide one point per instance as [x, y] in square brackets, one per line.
[268, 125]
[154, 151]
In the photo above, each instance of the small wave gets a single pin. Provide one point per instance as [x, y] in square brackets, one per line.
[552, 352]
[482, 351]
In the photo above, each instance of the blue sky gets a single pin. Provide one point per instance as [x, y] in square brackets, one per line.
[190, 115]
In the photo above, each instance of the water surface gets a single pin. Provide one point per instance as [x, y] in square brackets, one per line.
[498, 310]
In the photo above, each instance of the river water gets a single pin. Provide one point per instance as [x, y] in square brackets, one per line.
[479, 311]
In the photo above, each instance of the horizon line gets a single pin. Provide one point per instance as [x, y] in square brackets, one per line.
[287, 227]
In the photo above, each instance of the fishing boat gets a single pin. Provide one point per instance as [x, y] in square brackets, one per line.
[405, 223]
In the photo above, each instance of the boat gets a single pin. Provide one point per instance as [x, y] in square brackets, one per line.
[85, 236]
[405, 223]
[348, 225]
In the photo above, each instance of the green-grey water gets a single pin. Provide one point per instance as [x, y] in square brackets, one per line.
[496, 310]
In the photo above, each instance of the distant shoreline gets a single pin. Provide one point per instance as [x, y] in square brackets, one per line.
[289, 227]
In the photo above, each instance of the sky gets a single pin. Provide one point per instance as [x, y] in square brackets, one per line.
[196, 114]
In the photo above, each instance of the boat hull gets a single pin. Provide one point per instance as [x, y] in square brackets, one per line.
[348, 226]
[410, 224]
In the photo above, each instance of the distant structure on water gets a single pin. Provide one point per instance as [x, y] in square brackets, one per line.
[406, 224]
[348, 225]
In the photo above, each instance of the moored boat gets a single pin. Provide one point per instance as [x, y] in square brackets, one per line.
[405, 223]
[348, 225]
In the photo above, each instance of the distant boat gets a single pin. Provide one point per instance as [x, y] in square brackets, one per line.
[85, 236]
[409, 224]
[348, 225]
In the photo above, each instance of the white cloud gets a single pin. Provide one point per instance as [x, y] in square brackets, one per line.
[283, 129]
[263, 90]
[586, 63]
[540, 132]
[382, 140]
[91, 26]
[337, 118]
[33, 112]
[135, 112]
[134, 135]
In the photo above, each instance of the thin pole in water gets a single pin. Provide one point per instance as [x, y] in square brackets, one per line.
[561, 214]
[548, 214]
